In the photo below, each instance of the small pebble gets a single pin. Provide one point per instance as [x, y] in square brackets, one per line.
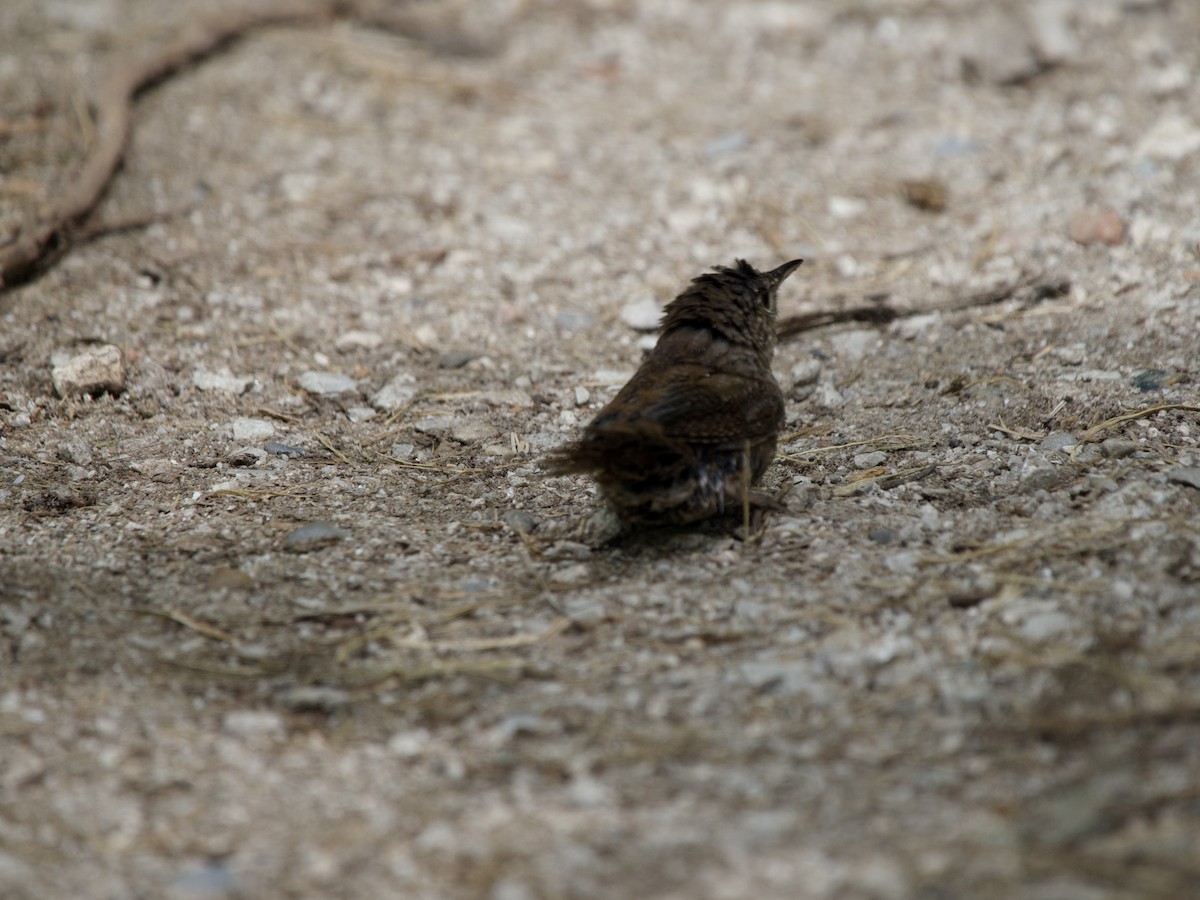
[881, 535]
[283, 449]
[247, 430]
[313, 536]
[1096, 226]
[326, 382]
[1171, 139]
[870, 460]
[973, 591]
[805, 375]
[396, 394]
[1071, 356]
[582, 396]
[1044, 626]
[426, 334]
[1054, 41]
[252, 723]
[96, 371]
[359, 414]
[1038, 474]
[313, 698]
[997, 50]
[368, 340]
[574, 321]
[1057, 441]
[228, 578]
[519, 521]
[212, 880]
[729, 143]
[846, 207]
[456, 359]
[472, 431]
[1185, 475]
[222, 380]
[74, 450]
[642, 315]
[929, 194]
[828, 397]
[435, 426]
[245, 457]
[1154, 380]
[1118, 448]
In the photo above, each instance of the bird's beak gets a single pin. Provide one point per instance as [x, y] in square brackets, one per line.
[777, 276]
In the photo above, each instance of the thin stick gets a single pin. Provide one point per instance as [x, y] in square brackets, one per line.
[558, 626]
[1092, 433]
[179, 618]
[48, 235]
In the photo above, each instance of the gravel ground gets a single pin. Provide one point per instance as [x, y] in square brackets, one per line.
[264, 633]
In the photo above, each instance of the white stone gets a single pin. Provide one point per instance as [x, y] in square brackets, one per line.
[397, 393]
[249, 430]
[846, 207]
[95, 371]
[326, 382]
[1172, 138]
[365, 339]
[222, 380]
[1046, 625]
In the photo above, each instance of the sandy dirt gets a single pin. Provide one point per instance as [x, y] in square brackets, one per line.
[264, 633]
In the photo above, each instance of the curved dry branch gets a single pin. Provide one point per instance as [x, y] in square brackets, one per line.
[47, 235]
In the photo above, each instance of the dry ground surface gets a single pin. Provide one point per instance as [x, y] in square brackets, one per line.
[965, 664]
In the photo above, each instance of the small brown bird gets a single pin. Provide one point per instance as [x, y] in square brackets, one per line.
[695, 428]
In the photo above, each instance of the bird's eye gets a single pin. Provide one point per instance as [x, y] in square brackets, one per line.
[767, 299]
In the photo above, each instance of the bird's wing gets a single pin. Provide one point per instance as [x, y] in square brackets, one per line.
[717, 409]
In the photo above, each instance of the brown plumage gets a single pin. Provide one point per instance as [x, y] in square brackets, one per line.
[696, 425]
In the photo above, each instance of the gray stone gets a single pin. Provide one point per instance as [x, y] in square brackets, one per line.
[436, 426]
[283, 449]
[313, 536]
[1038, 474]
[519, 521]
[852, 346]
[804, 375]
[998, 51]
[828, 397]
[574, 321]
[870, 460]
[456, 359]
[1185, 475]
[74, 450]
[1053, 40]
[472, 431]
[1057, 441]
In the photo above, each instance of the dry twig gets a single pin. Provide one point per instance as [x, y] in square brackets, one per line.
[49, 235]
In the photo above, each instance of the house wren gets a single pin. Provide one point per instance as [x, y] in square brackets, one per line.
[695, 428]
